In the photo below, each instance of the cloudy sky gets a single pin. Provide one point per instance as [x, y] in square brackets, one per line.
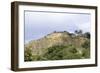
[39, 24]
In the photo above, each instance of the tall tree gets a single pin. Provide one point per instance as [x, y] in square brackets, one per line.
[78, 32]
[87, 35]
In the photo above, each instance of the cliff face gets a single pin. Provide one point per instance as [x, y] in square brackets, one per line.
[40, 46]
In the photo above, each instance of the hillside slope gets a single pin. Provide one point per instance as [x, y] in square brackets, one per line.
[56, 42]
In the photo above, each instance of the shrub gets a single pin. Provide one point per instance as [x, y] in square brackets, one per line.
[28, 55]
[86, 44]
[86, 53]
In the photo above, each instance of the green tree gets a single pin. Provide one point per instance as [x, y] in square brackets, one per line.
[87, 35]
[78, 32]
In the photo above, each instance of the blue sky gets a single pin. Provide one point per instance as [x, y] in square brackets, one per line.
[39, 24]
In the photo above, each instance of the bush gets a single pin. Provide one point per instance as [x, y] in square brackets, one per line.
[28, 55]
[86, 44]
[86, 53]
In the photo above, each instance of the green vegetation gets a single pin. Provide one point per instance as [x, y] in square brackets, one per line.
[59, 52]
[77, 47]
[28, 55]
[86, 44]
